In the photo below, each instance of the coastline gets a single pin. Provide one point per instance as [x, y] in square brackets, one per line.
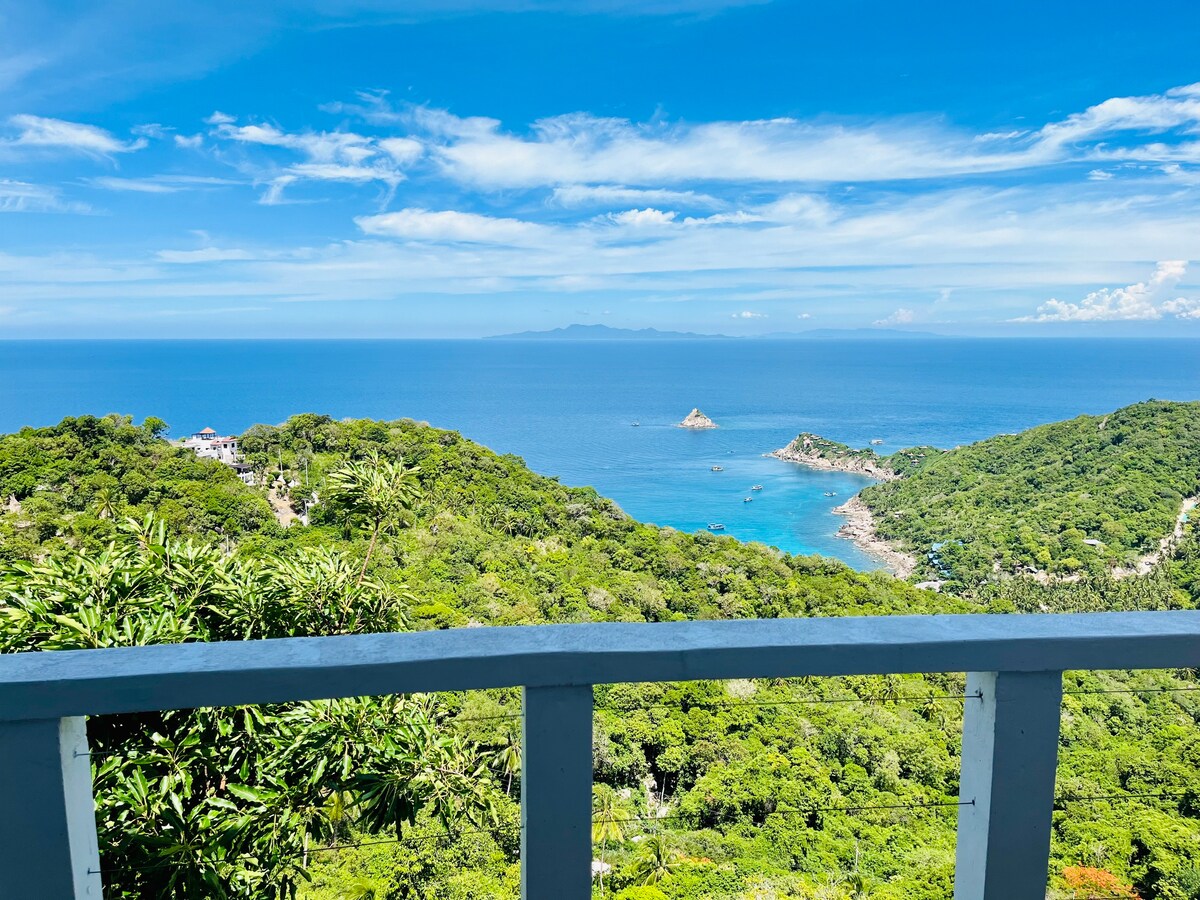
[860, 530]
[852, 465]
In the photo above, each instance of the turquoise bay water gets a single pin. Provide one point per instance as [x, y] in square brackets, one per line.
[567, 408]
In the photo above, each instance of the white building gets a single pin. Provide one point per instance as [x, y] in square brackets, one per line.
[207, 444]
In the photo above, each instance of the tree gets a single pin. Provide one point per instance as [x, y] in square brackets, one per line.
[656, 861]
[606, 824]
[155, 427]
[375, 492]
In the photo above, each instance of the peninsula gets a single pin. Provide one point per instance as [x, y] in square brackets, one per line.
[1013, 504]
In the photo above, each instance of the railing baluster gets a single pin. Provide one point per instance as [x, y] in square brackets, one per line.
[556, 793]
[1009, 758]
[48, 843]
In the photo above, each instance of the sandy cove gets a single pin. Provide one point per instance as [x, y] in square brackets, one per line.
[860, 528]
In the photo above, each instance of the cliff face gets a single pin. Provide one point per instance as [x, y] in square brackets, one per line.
[697, 419]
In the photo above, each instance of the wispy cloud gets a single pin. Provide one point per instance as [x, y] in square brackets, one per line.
[567, 151]
[38, 131]
[453, 227]
[21, 196]
[328, 155]
[573, 195]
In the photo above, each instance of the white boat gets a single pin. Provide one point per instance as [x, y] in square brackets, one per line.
[747, 499]
[715, 526]
[876, 441]
[757, 487]
[718, 469]
[831, 493]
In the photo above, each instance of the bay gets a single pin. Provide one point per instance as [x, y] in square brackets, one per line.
[568, 408]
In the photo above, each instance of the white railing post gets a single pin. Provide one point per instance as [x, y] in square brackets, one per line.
[48, 843]
[556, 793]
[1009, 758]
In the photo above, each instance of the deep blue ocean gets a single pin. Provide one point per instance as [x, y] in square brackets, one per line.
[567, 408]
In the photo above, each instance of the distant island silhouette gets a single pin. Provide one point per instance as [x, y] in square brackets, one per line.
[579, 332]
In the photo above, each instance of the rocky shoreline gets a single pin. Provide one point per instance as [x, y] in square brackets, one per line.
[860, 529]
[819, 453]
[853, 466]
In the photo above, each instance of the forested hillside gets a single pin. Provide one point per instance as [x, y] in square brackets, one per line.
[818, 788]
[1084, 495]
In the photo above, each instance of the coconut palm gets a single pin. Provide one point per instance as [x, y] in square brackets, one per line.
[108, 500]
[656, 861]
[377, 493]
[606, 826]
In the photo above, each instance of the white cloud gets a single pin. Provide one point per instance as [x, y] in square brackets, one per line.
[573, 195]
[38, 131]
[572, 151]
[451, 226]
[747, 314]
[1136, 302]
[404, 151]
[804, 315]
[1182, 308]
[189, 142]
[160, 184]
[23, 197]
[329, 155]
[643, 218]
[135, 185]
[901, 316]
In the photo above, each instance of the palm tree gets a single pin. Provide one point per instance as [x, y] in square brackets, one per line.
[606, 825]
[108, 499]
[656, 861]
[376, 492]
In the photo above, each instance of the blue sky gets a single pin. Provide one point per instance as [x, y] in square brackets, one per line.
[455, 168]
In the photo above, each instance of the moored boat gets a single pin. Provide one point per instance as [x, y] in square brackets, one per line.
[718, 468]
[757, 487]
[715, 526]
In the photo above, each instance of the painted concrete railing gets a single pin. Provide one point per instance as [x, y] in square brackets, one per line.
[48, 846]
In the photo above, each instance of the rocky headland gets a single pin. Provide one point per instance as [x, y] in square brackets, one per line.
[817, 452]
[697, 419]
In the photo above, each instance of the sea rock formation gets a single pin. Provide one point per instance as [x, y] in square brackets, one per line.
[697, 419]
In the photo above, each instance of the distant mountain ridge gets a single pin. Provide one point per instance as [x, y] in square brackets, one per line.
[604, 333]
[578, 332]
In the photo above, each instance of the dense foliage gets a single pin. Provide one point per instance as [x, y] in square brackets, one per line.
[1078, 496]
[74, 482]
[704, 790]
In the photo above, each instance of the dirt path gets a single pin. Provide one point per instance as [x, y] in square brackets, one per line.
[284, 514]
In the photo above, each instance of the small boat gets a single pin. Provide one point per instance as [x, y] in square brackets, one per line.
[831, 493]
[718, 468]
[876, 441]
[747, 499]
[634, 424]
[715, 526]
[757, 487]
